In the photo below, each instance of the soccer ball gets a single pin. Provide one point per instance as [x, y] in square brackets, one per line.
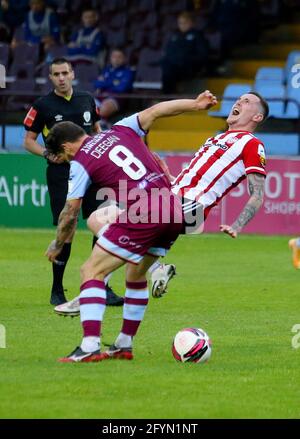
[191, 345]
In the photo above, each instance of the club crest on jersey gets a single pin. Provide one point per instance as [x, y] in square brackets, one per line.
[231, 141]
[87, 116]
[58, 117]
[262, 155]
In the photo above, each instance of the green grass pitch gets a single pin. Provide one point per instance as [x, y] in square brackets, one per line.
[244, 293]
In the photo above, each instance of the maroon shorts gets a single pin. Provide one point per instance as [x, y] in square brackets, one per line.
[130, 241]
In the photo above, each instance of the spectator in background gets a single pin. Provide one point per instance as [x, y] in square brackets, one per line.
[12, 14]
[87, 44]
[226, 17]
[185, 54]
[117, 77]
[41, 25]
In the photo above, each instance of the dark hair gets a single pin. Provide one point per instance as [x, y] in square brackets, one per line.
[59, 61]
[264, 104]
[61, 133]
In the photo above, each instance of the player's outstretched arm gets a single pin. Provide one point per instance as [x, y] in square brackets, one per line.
[256, 183]
[67, 222]
[203, 101]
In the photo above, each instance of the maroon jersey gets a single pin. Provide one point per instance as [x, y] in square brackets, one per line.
[119, 163]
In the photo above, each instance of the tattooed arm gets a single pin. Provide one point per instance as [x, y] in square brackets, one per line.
[67, 222]
[256, 183]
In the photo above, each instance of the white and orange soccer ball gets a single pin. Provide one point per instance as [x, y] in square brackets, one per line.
[191, 345]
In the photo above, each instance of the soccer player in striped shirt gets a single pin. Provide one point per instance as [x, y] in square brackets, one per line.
[223, 162]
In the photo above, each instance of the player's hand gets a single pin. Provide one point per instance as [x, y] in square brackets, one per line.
[55, 159]
[163, 165]
[206, 100]
[228, 230]
[52, 252]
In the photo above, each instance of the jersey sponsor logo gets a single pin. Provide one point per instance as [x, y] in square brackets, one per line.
[58, 117]
[223, 147]
[87, 116]
[262, 155]
[30, 116]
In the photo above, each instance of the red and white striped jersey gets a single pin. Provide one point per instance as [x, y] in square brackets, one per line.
[220, 165]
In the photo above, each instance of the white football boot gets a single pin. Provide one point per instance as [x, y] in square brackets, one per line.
[160, 278]
[70, 308]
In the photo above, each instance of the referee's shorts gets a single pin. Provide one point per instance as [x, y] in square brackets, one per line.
[57, 182]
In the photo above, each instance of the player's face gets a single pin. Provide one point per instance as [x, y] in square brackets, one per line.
[247, 109]
[61, 77]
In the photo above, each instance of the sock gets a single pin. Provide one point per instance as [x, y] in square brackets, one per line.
[135, 303]
[154, 266]
[92, 301]
[58, 269]
[90, 344]
[123, 340]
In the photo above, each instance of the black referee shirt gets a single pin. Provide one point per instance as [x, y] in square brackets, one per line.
[50, 109]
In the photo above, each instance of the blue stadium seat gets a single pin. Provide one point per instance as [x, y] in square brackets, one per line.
[269, 75]
[274, 91]
[280, 144]
[276, 108]
[234, 91]
[293, 92]
[292, 110]
[293, 58]
[225, 108]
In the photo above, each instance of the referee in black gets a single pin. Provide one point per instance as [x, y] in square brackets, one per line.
[63, 104]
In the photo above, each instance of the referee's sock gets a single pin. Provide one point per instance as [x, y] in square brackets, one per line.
[58, 269]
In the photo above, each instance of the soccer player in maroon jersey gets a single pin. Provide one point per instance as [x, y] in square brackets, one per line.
[118, 162]
[219, 165]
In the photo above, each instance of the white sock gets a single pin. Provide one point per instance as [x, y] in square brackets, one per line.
[90, 344]
[154, 266]
[123, 341]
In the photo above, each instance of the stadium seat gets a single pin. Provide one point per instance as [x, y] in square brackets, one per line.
[113, 6]
[293, 58]
[276, 108]
[150, 21]
[148, 68]
[4, 52]
[26, 53]
[144, 6]
[116, 38]
[234, 91]
[269, 75]
[118, 20]
[280, 144]
[57, 51]
[225, 108]
[293, 93]
[292, 110]
[271, 91]
[173, 6]
[86, 72]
